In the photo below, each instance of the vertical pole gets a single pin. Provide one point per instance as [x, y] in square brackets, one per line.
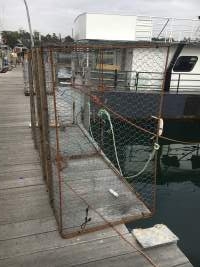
[45, 122]
[136, 81]
[32, 103]
[35, 122]
[39, 112]
[115, 78]
[179, 77]
[157, 137]
[99, 70]
[101, 78]
[58, 159]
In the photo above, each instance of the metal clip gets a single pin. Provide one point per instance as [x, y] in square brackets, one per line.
[156, 146]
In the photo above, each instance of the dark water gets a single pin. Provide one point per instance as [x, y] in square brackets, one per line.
[178, 206]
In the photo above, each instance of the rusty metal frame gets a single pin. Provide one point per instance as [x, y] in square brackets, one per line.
[58, 157]
[32, 100]
[37, 80]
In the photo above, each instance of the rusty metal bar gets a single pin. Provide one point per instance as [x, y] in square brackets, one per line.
[45, 122]
[39, 112]
[32, 100]
[58, 157]
[95, 47]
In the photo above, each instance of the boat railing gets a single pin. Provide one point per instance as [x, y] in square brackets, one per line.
[185, 82]
[147, 81]
[168, 29]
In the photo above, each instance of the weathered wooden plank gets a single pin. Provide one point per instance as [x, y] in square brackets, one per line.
[21, 154]
[73, 252]
[135, 259]
[13, 124]
[12, 146]
[14, 120]
[24, 167]
[27, 145]
[167, 255]
[10, 110]
[6, 137]
[20, 181]
[11, 101]
[6, 161]
[186, 265]
[26, 228]
[24, 192]
[15, 138]
[131, 259]
[18, 210]
[13, 175]
[14, 116]
[8, 88]
[22, 130]
[18, 106]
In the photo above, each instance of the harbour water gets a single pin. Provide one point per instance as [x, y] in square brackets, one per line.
[177, 205]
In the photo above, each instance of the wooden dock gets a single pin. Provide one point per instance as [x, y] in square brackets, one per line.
[28, 230]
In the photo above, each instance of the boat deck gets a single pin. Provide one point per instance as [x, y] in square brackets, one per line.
[28, 230]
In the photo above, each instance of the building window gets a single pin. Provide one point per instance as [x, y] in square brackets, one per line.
[185, 63]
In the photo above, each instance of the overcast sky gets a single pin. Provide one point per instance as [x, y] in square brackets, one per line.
[48, 16]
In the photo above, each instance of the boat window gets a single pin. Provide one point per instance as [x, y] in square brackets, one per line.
[185, 63]
[108, 57]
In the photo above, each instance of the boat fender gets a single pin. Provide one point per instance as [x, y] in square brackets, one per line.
[160, 125]
[114, 193]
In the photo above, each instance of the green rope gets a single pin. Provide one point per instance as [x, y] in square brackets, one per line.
[151, 156]
[100, 114]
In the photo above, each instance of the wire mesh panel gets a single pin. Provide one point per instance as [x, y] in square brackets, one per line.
[128, 143]
[97, 143]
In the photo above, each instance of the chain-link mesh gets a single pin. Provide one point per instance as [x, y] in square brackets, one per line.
[98, 136]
